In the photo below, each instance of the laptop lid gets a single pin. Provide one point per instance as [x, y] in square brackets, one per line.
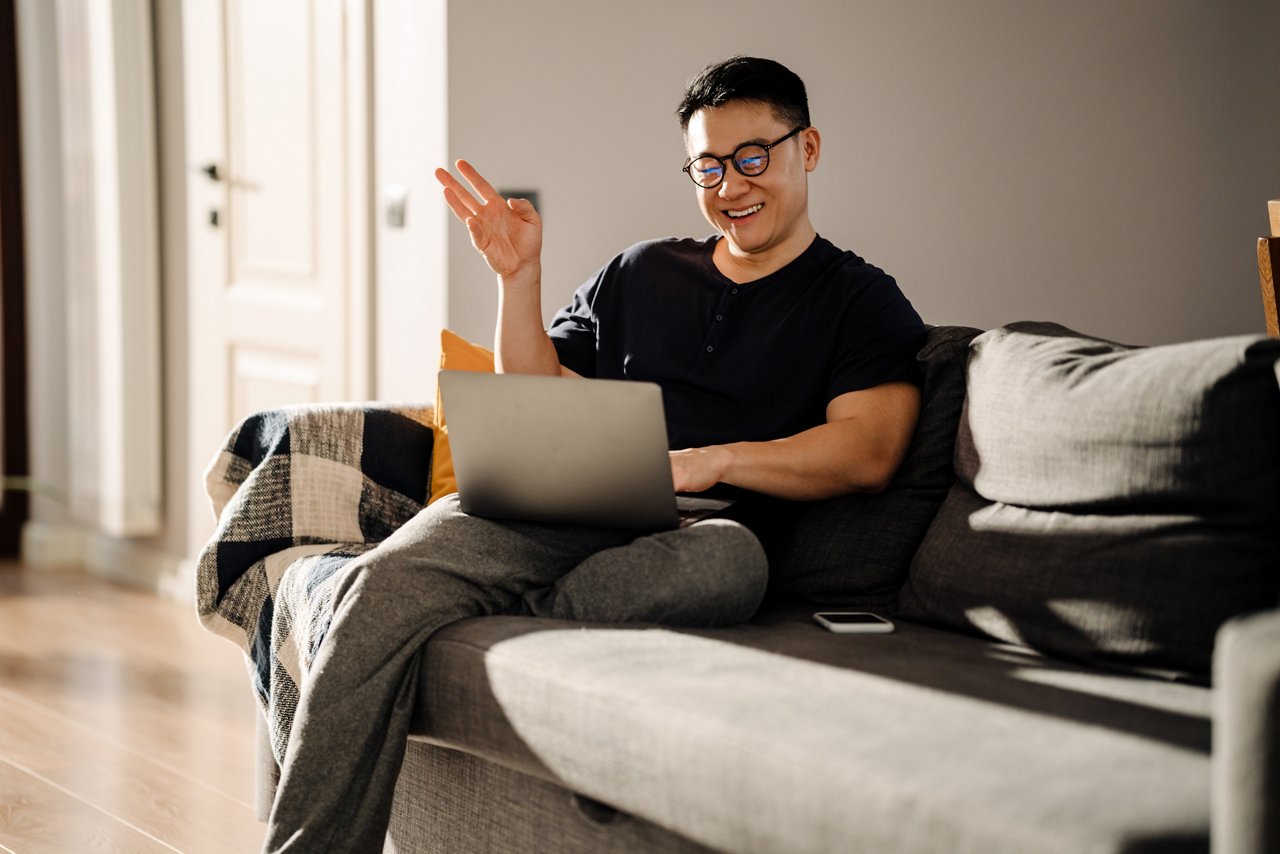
[558, 449]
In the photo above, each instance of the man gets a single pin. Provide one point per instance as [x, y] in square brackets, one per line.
[787, 369]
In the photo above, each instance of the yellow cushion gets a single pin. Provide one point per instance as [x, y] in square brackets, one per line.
[456, 354]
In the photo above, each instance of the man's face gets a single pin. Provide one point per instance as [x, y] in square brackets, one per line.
[760, 213]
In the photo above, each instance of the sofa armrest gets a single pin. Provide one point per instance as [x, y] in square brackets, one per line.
[303, 480]
[333, 432]
[1246, 735]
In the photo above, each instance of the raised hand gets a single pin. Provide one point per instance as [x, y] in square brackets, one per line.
[506, 232]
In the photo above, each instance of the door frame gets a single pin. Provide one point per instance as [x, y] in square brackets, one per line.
[14, 508]
[203, 33]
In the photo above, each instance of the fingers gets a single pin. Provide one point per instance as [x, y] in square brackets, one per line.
[477, 182]
[482, 187]
[464, 205]
[461, 202]
[460, 210]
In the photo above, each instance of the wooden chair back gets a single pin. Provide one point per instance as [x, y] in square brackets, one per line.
[1268, 268]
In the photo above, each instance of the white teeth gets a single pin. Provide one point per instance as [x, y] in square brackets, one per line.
[747, 212]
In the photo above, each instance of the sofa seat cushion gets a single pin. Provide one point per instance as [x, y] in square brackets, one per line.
[778, 736]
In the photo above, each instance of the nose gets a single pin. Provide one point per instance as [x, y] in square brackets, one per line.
[733, 186]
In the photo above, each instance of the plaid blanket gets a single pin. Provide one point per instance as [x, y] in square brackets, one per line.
[299, 492]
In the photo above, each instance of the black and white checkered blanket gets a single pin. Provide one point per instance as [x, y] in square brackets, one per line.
[298, 493]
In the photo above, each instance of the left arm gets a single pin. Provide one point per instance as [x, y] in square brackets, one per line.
[858, 449]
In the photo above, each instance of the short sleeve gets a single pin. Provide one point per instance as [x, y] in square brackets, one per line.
[573, 330]
[880, 335]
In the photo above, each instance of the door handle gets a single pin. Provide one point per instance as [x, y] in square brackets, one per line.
[215, 174]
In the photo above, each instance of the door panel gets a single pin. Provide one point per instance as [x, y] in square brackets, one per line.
[276, 127]
[272, 148]
[285, 171]
[263, 377]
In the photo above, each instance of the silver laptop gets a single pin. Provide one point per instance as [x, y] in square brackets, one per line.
[557, 449]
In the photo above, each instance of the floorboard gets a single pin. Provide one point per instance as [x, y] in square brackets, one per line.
[124, 725]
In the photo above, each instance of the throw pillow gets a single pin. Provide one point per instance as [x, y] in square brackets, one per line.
[855, 549]
[456, 354]
[1115, 504]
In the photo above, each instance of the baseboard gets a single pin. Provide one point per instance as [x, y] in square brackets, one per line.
[56, 547]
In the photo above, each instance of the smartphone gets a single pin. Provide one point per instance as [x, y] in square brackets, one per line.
[853, 621]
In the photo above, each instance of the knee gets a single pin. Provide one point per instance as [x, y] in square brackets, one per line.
[730, 566]
[380, 574]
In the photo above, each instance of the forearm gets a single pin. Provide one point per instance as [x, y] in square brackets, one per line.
[521, 345]
[815, 464]
[858, 449]
[508, 235]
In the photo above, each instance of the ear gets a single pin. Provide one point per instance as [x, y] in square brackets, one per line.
[811, 144]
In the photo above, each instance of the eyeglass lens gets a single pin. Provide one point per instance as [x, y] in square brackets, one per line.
[750, 159]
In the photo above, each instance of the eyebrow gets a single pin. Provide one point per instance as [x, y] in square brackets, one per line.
[757, 141]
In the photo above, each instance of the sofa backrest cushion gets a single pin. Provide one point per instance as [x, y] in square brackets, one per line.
[456, 354]
[1114, 504]
[855, 549]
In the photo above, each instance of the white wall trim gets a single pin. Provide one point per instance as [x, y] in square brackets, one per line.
[111, 244]
[47, 314]
[358, 127]
[204, 134]
[57, 547]
[411, 111]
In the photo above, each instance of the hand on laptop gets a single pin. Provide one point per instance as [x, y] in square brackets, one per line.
[698, 469]
[507, 232]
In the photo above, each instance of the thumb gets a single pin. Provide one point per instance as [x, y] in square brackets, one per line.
[524, 209]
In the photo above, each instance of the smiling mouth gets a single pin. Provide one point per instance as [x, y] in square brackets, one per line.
[745, 212]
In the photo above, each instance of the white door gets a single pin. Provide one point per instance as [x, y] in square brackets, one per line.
[278, 238]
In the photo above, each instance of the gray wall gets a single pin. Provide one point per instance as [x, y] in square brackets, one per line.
[1103, 163]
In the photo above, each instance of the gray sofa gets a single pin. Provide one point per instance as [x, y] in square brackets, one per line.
[1079, 553]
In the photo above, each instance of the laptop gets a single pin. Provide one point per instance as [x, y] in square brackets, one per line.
[564, 450]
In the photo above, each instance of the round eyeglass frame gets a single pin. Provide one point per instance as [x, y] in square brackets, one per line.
[733, 158]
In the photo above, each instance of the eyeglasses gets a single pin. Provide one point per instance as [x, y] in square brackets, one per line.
[750, 159]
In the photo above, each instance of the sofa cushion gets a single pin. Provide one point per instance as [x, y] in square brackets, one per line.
[855, 549]
[779, 736]
[456, 354]
[1115, 504]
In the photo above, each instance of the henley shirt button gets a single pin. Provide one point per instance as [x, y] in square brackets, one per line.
[719, 317]
[710, 348]
[734, 291]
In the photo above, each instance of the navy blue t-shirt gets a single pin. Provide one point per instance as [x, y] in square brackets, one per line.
[740, 362]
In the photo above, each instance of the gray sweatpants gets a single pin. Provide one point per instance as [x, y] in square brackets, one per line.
[352, 721]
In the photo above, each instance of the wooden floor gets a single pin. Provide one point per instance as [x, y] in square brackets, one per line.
[124, 725]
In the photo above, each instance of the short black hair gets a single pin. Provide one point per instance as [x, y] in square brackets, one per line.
[747, 78]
